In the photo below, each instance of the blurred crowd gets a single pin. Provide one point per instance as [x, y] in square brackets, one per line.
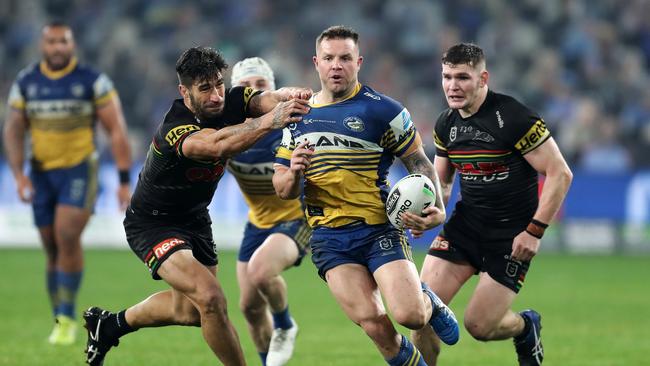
[583, 65]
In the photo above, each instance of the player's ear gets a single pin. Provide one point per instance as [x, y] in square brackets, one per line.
[483, 78]
[359, 61]
[315, 61]
[182, 89]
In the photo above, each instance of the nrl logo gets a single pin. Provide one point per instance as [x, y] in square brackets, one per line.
[452, 133]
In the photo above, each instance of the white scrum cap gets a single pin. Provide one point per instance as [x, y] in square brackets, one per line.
[252, 66]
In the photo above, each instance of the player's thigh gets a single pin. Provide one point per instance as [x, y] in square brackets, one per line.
[188, 276]
[445, 277]
[249, 295]
[356, 292]
[489, 303]
[69, 223]
[400, 286]
[277, 253]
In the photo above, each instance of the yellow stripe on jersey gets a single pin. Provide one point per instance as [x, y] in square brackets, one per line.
[58, 74]
[56, 149]
[354, 92]
[267, 210]
[535, 136]
[104, 99]
[438, 142]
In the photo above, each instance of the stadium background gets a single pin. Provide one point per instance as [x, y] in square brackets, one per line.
[583, 65]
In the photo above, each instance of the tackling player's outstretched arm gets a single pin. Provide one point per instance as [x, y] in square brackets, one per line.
[266, 101]
[286, 180]
[210, 144]
[14, 141]
[446, 173]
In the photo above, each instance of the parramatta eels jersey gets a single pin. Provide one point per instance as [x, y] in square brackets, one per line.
[253, 170]
[172, 185]
[60, 108]
[355, 142]
[487, 149]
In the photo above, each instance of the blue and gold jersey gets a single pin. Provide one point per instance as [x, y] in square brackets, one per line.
[60, 108]
[253, 170]
[355, 142]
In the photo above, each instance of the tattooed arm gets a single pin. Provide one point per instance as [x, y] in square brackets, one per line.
[418, 163]
[210, 144]
[265, 102]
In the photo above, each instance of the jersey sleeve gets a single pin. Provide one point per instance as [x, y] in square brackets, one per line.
[103, 90]
[16, 98]
[440, 136]
[526, 129]
[286, 147]
[401, 133]
[237, 103]
[170, 137]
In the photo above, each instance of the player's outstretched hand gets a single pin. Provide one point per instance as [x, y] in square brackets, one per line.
[287, 112]
[288, 93]
[431, 217]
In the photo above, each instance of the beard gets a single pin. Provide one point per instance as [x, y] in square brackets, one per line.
[201, 113]
[58, 61]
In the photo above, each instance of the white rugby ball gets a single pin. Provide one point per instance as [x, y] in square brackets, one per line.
[412, 193]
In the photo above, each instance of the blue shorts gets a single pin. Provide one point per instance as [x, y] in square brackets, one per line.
[298, 230]
[369, 245]
[75, 186]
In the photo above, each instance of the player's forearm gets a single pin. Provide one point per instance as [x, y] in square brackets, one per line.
[14, 141]
[287, 183]
[121, 150]
[232, 140]
[556, 186]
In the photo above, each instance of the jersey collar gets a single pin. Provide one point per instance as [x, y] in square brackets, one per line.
[354, 92]
[58, 74]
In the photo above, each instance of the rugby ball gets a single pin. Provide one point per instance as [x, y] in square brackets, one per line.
[412, 193]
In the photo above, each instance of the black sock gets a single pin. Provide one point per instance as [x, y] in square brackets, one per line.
[116, 325]
[526, 329]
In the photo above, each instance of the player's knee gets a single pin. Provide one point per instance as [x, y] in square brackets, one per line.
[252, 310]
[480, 331]
[410, 318]
[211, 301]
[188, 317]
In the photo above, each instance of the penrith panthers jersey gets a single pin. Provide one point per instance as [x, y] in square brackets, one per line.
[171, 184]
[355, 142]
[487, 149]
[253, 170]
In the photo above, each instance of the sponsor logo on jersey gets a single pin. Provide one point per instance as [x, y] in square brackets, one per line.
[354, 124]
[439, 243]
[248, 93]
[316, 120]
[499, 120]
[175, 133]
[162, 248]
[452, 133]
[534, 135]
[406, 120]
[370, 95]
[315, 211]
[337, 141]
[205, 174]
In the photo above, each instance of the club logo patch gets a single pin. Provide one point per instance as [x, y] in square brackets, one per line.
[354, 124]
[452, 133]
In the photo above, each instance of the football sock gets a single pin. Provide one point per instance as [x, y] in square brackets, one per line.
[408, 355]
[263, 357]
[282, 319]
[526, 329]
[52, 290]
[67, 287]
[116, 325]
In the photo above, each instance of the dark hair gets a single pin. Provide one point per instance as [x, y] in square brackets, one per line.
[464, 53]
[199, 63]
[338, 32]
[57, 23]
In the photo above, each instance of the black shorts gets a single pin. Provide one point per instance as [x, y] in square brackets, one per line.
[486, 247]
[154, 240]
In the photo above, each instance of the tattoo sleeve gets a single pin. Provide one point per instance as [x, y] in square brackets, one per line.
[255, 106]
[418, 162]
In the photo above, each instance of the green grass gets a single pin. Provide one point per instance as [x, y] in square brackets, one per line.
[595, 312]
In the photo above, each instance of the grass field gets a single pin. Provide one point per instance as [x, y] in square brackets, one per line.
[596, 312]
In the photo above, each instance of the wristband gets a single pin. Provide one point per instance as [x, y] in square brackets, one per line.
[535, 230]
[539, 223]
[533, 234]
[124, 176]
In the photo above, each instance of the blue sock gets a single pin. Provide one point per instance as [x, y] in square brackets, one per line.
[282, 319]
[50, 280]
[68, 285]
[408, 355]
[263, 357]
